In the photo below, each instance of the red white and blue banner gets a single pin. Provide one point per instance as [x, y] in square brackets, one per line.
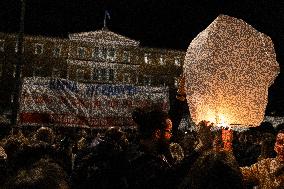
[55, 101]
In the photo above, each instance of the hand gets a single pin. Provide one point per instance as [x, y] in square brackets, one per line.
[204, 134]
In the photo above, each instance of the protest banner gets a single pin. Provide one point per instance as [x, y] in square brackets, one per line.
[55, 101]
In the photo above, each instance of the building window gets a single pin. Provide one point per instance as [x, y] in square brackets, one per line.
[162, 80]
[81, 52]
[37, 72]
[177, 61]
[104, 74]
[56, 51]
[80, 74]
[103, 54]
[147, 80]
[111, 54]
[2, 45]
[14, 70]
[162, 60]
[96, 74]
[16, 47]
[96, 53]
[126, 56]
[56, 73]
[176, 81]
[126, 78]
[146, 58]
[38, 48]
[111, 75]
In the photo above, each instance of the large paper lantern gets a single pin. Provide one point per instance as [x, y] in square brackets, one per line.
[228, 69]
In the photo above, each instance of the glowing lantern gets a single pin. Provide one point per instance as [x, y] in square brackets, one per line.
[228, 69]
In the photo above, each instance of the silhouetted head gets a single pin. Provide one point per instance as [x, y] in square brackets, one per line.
[44, 174]
[152, 123]
[45, 134]
[214, 170]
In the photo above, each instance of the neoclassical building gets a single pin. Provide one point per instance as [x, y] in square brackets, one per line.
[100, 56]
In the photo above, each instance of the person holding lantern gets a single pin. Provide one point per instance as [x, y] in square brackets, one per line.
[151, 168]
[268, 173]
[160, 163]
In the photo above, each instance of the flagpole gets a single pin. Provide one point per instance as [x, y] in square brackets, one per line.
[107, 16]
[105, 20]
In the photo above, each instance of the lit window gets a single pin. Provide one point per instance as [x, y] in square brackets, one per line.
[176, 80]
[161, 60]
[103, 54]
[146, 58]
[177, 61]
[126, 78]
[104, 75]
[38, 48]
[111, 54]
[111, 75]
[96, 53]
[56, 73]
[56, 51]
[147, 80]
[1, 45]
[126, 56]
[96, 74]
[80, 75]
[17, 47]
[163, 80]
[14, 70]
[81, 52]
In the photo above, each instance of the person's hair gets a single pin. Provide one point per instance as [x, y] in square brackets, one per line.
[12, 145]
[45, 134]
[44, 174]
[30, 154]
[116, 137]
[149, 120]
[214, 170]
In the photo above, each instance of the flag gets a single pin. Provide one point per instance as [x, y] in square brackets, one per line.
[107, 14]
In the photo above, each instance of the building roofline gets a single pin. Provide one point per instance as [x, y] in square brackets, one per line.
[103, 36]
[95, 43]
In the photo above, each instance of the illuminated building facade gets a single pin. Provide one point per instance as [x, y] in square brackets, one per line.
[101, 56]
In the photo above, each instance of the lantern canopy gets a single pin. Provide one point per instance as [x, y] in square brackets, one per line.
[228, 69]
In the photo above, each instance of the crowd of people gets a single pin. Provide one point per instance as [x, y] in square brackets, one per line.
[145, 157]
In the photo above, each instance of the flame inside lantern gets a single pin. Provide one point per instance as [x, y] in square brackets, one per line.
[228, 69]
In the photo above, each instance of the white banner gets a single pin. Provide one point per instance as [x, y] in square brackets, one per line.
[55, 101]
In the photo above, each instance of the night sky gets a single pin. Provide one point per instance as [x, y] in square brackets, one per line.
[155, 23]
